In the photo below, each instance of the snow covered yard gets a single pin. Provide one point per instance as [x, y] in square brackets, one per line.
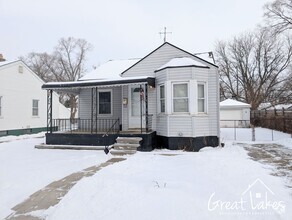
[162, 184]
[24, 169]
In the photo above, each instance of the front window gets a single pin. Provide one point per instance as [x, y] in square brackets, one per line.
[180, 97]
[35, 107]
[104, 106]
[201, 98]
[162, 98]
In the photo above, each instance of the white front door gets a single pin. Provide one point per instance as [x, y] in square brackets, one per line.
[135, 106]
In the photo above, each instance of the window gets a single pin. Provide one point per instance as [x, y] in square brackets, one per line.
[180, 97]
[35, 107]
[201, 98]
[104, 106]
[20, 69]
[162, 98]
[0, 105]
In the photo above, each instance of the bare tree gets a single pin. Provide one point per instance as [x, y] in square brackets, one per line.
[66, 63]
[253, 67]
[278, 15]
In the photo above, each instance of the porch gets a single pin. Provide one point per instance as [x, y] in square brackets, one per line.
[106, 111]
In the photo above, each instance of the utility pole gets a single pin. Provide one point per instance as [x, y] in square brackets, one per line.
[164, 33]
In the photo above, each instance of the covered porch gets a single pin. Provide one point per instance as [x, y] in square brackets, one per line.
[106, 110]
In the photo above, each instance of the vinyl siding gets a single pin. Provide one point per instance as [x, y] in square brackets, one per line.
[180, 125]
[85, 103]
[194, 124]
[17, 91]
[125, 122]
[158, 58]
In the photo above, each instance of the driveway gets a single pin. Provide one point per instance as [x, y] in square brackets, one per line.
[278, 156]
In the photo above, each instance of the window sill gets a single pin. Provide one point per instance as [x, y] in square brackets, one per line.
[35, 116]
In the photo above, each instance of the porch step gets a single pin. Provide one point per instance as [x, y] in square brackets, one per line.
[129, 140]
[126, 145]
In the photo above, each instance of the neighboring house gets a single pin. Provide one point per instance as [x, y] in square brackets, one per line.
[234, 114]
[170, 98]
[23, 104]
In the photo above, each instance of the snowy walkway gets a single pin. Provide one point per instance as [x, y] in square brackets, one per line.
[54, 192]
[273, 154]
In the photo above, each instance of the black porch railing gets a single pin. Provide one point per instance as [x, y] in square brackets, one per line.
[78, 125]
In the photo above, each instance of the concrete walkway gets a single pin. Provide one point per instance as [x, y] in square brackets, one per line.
[53, 193]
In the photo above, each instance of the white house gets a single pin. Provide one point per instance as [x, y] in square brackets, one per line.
[234, 113]
[23, 104]
[170, 98]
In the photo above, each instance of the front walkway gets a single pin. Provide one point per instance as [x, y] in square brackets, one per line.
[52, 194]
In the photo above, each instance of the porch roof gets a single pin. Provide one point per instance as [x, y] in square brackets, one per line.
[100, 83]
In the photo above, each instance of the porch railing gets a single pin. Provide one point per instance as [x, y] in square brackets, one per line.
[78, 125]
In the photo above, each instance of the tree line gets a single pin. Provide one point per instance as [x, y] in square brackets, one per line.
[255, 67]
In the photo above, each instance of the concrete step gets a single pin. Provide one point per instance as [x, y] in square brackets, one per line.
[129, 140]
[122, 152]
[124, 146]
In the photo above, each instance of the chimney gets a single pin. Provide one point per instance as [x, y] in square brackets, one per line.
[1, 58]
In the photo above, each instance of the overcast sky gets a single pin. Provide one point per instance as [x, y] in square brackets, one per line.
[122, 29]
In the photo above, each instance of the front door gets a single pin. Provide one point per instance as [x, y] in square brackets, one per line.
[135, 105]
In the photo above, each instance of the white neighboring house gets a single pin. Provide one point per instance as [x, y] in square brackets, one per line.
[23, 104]
[234, 113]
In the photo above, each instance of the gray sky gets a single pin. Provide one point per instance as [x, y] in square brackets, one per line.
[122, 29]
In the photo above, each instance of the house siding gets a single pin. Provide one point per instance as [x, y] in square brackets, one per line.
[155, 60]
[17, 91]
[85, 103]
[125, 111]
[195, 124]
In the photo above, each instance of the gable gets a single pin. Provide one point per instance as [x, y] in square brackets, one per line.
[11, 77]
[158, 58]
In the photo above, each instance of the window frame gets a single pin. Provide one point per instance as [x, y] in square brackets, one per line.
[111, 102]
[204, 98]
[35, 108]
[162, 99]
[1, 104]
[174, 98]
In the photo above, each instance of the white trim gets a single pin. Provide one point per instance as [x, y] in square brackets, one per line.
[205, 98]
[1, 106]
[37, 108]
[159, 100]
[111, 93]
[172, 96]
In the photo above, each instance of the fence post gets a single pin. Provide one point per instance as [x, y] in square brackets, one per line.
[234, 130]
[253, 133]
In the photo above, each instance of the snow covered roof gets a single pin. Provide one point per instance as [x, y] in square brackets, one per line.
[182, 62]
[109, 70]
[280, 107]
[108, 74]
[3, 63]
[229, 103]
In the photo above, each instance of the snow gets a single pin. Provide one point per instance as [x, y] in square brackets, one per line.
[233, 103]
[110, 70]
[24, 169]
[182, 61]
[161, 184]
[2, 63]
[245, 134]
